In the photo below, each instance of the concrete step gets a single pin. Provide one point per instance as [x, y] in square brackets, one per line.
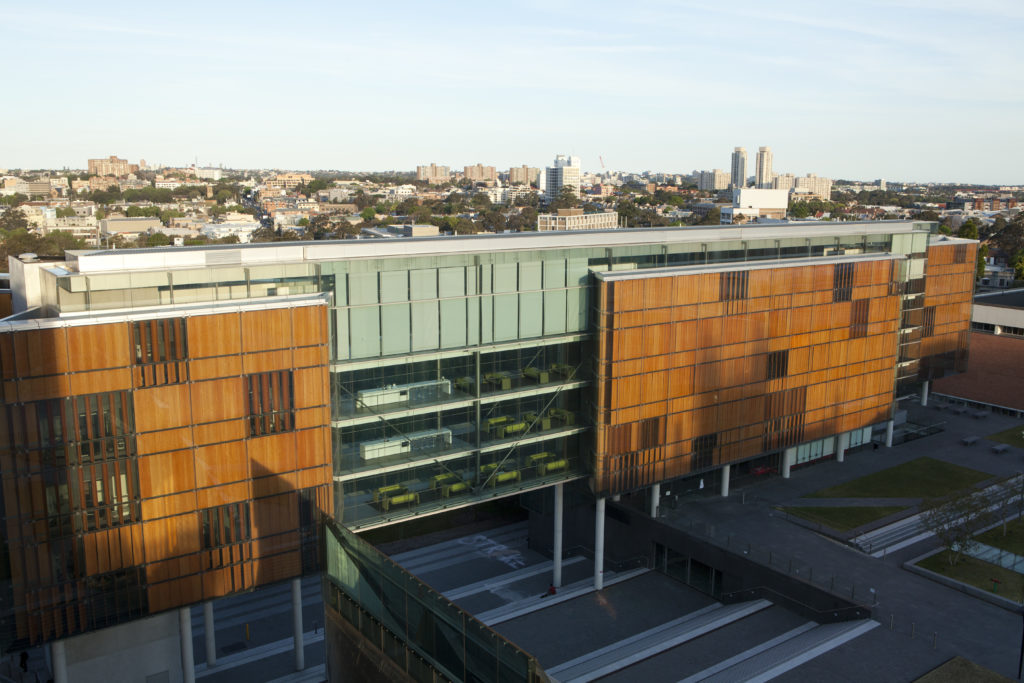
[791, 653]
[425, 554]
[505, 579]
[518, 608]
[629, 651]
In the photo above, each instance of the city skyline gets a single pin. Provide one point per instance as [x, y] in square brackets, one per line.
[838, 93]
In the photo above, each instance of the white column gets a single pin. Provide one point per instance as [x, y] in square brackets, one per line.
[59, 662]
[599, 545]
[300, 652]
[844, 443]
[556, 580]
[788, 456]
[924, 393]
[725, 480]
[655, 499]
[188, 662]
[888, 433]
[209, 630]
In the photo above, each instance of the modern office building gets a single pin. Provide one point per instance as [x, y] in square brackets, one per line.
[739, 168]
[763, 179]
[176, 419]
[566, 171]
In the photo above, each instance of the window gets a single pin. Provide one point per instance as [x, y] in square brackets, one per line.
[859, 318]
[960, 253]
[225, 525]
[160, 347]
[105, 494]
[928, 324]
[271, 403]
[650, 432]
[704, 451]
[842, 282]
[733, 285]
[778, 364]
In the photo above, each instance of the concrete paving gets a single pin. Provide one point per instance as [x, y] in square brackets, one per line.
[929, 622]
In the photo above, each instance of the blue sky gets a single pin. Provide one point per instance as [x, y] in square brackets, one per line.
[925, 90]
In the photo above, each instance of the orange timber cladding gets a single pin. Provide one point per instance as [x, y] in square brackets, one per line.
[700, 370]
[152, 464]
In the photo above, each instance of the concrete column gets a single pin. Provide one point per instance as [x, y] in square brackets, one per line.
[300, 651]
[888, 433]
[210, 632]
[924, 393]
[725, 480]
[788, 456]
[599, 545]
[59, 662]
[188, 662]
[844, 443]
[556, 579]
[655, 499]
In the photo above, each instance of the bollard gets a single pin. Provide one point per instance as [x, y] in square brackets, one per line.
[832, 587]
[892, 619]
[247, 631]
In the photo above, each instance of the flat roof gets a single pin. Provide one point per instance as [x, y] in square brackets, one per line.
[162, 258]
[1013, 298]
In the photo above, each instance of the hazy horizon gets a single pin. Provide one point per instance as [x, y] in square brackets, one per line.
[909, 91]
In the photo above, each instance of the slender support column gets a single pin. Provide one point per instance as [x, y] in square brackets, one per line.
[888, 433]
[655, 499]
[300, 651]
[188, 662]
[210, 632]
[599, 545]
[556, 579]
[59, 662]
[725, 480]
[924, 393]
[788, 456]
[844, 443]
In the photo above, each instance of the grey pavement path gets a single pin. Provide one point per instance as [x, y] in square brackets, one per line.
[982, 632]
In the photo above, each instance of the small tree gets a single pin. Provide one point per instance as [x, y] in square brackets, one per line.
[955, 519]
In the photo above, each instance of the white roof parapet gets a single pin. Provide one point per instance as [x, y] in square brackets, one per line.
[169, 258]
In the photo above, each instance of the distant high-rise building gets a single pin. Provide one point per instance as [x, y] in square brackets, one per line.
[523, 175]
[739, 168]
[812, 184]
[109, 166]
[479, 172]
[566, 171]
[433, 174]
[716, 179]
[783, 181]
[764, 168]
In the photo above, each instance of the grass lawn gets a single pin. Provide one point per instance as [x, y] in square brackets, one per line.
[920, 478]
[1013, 436]
[977, 573]
[1012, 542]
[843, 518]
